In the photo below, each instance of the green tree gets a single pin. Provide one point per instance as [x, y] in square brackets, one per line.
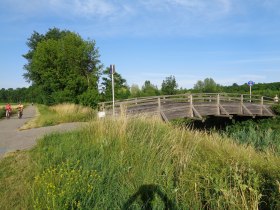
[62, 65]
[169, 86]
[206, 86]
[148, 89]
[135, 91]
[199, 86]
[120, 86]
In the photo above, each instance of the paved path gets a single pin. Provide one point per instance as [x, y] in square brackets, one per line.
[11, 139]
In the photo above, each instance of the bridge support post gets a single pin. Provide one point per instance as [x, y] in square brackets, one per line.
[241, 104]
[261, 109]
[218, 105]
[191, 105]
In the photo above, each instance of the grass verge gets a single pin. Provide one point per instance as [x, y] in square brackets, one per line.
[140, 163]
[61, 113]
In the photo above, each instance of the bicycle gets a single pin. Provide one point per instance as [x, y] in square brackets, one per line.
[19, 114]
[8, 114]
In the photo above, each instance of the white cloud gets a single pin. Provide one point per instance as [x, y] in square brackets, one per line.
[196, 7]
[83, 8]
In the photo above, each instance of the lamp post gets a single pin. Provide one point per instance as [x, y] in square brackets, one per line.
[112, 71]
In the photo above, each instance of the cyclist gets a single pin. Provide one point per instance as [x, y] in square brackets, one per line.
[20, 110]
[8, 109]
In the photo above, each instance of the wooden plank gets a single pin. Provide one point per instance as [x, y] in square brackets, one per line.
[196, 112]
[223, 109]
[164, 116]
[266, 109]
[247, 110]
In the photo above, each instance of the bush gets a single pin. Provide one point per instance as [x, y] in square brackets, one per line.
[89, 98]
[2, 112]
[276, 109]
[263, 135]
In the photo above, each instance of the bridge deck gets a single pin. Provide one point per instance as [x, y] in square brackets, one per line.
[194, 106]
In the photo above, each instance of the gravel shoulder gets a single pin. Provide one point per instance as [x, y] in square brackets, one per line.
[12, 139]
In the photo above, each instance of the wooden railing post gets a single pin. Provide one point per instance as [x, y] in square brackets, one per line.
[241, 104]
[135, 100]
[218, 105]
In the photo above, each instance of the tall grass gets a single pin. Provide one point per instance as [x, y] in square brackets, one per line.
[60, 113]
[264, 135]
[138, 163]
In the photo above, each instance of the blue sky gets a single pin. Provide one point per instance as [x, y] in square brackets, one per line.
[227, 40]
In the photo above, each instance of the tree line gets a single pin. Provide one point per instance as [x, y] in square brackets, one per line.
[63, 67]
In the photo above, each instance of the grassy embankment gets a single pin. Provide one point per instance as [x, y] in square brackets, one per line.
[61, 113]
[122, 164]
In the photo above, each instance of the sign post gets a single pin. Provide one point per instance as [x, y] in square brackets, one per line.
[112, 71]
[250, 83]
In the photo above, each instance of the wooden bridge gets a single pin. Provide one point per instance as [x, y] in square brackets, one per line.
[195, 106]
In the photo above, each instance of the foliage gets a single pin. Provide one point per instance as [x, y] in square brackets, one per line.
[263, 135]
[135, 91]
[266, 89]
[120, 86]
[206, 86]
[89, 98]
[276, 109]
[62, 65]
[148, 89]
[15, 95]
[2, 112]
[139, 162]
[169, 86]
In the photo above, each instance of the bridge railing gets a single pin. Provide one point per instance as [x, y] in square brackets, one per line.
[155, 102]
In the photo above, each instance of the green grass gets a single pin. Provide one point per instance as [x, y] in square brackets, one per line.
[61, 113]
[127, 164]
[264, 135]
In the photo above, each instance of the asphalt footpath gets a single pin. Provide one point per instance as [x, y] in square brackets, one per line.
[12, 139]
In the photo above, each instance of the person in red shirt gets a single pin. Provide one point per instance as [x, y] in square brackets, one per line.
[8, 110]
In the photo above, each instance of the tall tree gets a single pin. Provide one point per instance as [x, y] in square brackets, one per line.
[148, 89]
[62, 65]
[120, 86]
[169, 86]
[207, 86]
[135, 91]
